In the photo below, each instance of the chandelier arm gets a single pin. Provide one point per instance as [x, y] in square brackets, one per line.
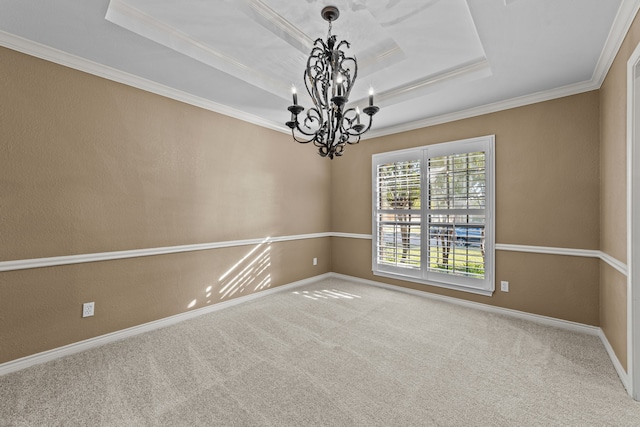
[303, 136]
[315, 75]
[343, 42]
[310, 84]
[350, 125]
[351, 130]
[362, 132]
[302, 132]
[312, 116]
[339, 150]
[354, 142]
[323, 149]
[315, 115]
[320, 144]
[301, 141]
[329, 78]
[314, 68]
[308, 120]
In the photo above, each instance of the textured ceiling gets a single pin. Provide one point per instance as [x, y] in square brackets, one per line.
[428, 60]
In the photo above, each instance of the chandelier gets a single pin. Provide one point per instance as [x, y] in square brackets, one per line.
[329, 78]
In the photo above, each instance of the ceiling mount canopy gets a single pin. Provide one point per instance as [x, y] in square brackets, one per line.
[330, 13]
[329, 77]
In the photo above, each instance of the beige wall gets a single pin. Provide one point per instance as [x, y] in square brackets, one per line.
[613, 310]
[547, 194]
[88, 165]
[613, 190]
[534, 281]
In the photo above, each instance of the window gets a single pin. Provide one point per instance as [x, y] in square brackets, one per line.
[433, 218]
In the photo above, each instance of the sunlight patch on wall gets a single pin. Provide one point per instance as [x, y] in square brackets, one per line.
[249, 274]
[251, 269]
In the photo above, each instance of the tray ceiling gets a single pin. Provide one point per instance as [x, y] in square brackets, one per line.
[426, 59]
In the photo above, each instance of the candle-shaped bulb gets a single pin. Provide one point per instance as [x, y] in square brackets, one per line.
[358, 115]
[339, 85]
[294, 92]
[370, 97]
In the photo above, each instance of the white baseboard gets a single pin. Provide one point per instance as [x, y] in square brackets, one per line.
[56, 353]
[622, 374]
[551, 321]
[545, 320]
[47, 356]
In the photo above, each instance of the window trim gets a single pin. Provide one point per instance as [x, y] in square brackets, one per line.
[460, 283]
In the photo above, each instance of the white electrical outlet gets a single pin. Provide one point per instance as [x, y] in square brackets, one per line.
[504, 286]
[315, 261]
[87, 309]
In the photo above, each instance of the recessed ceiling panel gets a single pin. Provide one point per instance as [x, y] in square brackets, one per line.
[404, 48]
[428, 60]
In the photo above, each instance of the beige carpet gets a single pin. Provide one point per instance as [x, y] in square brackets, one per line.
[333, 353]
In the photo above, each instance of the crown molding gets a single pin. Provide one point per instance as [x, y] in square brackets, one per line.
[57, 56]
[474, 69]
[122, 14]
[482, 110]
[621, 24]
[261, 13]
[624, 18]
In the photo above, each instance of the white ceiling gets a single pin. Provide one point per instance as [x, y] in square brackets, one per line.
[429, 61]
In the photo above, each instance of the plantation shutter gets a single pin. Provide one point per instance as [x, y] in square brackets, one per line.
[433, 214]
[456, 217]
[398, 215]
